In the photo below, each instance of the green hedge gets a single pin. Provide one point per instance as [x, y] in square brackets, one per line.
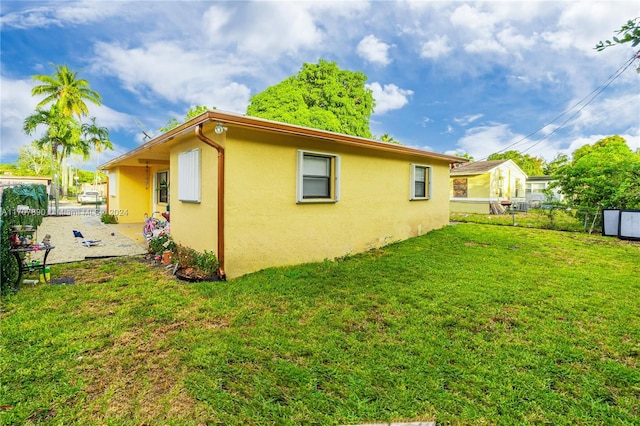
[33, 196]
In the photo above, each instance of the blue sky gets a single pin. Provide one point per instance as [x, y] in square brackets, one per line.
[448, 77]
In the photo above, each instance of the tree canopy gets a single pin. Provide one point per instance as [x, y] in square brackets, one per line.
[321, 96]
[629, 33]
[62, 135]
[604, 175]
[64, 89]
[532, 166]
[193, 112]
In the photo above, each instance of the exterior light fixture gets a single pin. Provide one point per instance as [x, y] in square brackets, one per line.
[220, 128]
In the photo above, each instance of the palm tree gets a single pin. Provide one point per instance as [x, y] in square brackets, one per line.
[389, 139]
[98, 137]
[62, 138]
[66, 90]
[63, 132]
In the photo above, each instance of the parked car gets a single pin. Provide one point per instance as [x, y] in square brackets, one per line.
[89, 197]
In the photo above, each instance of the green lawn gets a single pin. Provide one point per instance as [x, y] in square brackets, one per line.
[557, 219]
[471, 324]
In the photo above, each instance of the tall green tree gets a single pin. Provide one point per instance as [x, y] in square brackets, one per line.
[64, 89]
[532, 166]
[628, 33]
[603, 175]
[33, 160]
[66, 94]
[98, 138]
[95, 136]
[62, 134]
[464, 155]
[321, 96]
[193, 112]
[389, 139]
[560, 160]
[61, 139]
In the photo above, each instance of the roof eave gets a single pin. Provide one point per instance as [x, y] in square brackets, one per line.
[274, 126]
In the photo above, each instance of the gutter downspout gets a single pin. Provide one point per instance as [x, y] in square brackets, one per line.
[220, 149]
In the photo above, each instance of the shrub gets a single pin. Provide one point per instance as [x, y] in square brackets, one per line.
[162, 242]
[202, 264]
[108, 218]
[33, 196]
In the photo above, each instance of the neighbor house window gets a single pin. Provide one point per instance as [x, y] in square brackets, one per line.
[162, 187]
[460, 186]
[318, 177]
[189, 176]
[420, 182]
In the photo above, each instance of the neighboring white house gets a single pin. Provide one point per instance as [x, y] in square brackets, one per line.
[535, 191]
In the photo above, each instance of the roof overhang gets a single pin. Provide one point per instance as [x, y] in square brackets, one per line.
[157, 149]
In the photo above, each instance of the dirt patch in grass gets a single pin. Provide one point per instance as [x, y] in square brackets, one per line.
[136, 378]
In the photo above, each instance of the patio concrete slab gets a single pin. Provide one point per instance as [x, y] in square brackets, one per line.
[68, 249]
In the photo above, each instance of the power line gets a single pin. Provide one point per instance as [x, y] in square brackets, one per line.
[595, 92]
[612, 107]
[628, 64]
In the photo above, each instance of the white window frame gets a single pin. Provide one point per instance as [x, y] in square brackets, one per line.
[334, 179]
[189, 176]
[412, 183]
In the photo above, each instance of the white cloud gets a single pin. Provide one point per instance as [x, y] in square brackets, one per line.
[484, 46]
[622, 111]
[60, 14]
[263, 29]
[515, 42]
[17, 104]
[373, 50]
[434, 49]
[467, 119]
[472, 20]
[170, 72]
[389, 97]
[480, 142]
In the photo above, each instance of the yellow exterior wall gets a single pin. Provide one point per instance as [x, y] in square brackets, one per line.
[130, 200]
[266, 227]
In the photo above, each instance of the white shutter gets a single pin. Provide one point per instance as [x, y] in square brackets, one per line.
[189, 176]
[113, 184]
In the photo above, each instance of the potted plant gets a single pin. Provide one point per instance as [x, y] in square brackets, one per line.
[161, 244]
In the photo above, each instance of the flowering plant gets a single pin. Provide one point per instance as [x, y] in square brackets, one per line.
[162, 242]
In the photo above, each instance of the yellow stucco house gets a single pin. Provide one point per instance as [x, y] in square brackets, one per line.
[261, 193]
[478, 186]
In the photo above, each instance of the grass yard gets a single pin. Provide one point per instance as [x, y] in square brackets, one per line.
[557, 219]
[471, 324]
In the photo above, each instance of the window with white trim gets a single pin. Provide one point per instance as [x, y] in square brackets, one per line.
[189, 176]
[318, 177]
[420, 182]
